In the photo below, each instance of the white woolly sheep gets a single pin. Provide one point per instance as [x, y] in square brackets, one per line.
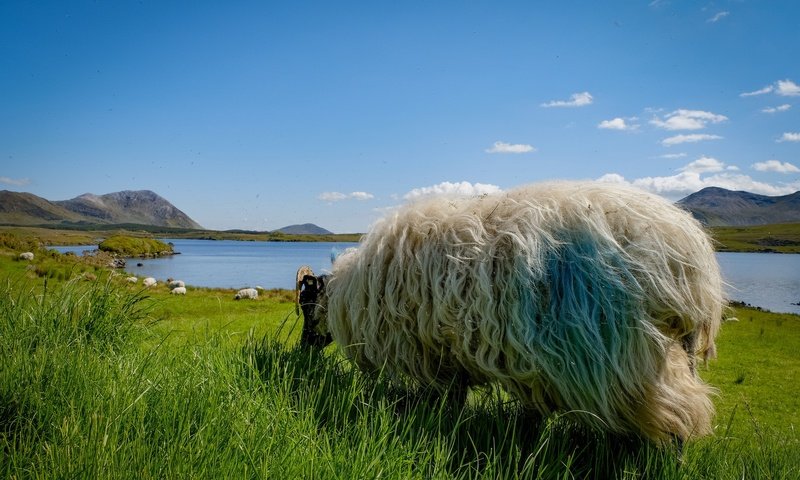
[132, 279]
[178, 291]
[591, 298]
[173, 284]
[26, 256]
[149, 282]
[250, 293]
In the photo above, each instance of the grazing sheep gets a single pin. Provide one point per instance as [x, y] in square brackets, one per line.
[178, 291]
[132, 279]
[250, 293]
[173, 284]
[26, 256]
[591, 298]
[308, 290]
[149, 282]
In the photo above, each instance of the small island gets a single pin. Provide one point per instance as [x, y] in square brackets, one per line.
[125, 246]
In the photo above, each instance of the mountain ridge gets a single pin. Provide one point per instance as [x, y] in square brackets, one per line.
[715, 206]
[128, 206]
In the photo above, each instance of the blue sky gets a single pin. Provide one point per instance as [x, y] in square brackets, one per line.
[257, 115]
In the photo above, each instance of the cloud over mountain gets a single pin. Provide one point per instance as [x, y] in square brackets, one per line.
[776, 166]
[701, 173]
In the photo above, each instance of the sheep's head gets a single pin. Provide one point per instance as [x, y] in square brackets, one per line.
[312, 299]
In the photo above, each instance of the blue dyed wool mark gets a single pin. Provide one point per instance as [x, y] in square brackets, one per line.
[584, 312]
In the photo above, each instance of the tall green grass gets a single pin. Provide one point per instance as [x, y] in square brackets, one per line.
[89, 388]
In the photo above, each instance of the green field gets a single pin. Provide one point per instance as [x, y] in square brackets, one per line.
[93, 234]
[102, 379]
[778, 238]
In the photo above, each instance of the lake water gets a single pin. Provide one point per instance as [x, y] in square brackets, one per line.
[767, 280]
[770, 281]
[233, 264]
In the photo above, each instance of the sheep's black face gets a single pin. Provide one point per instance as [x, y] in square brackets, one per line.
[312, 290]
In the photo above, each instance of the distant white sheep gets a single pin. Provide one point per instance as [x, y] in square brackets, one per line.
[132, 279]
[149, 282]
[26, 256]
[176, 284]
[250, 293]
[178, 291]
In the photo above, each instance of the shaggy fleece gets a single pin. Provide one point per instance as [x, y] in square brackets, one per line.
[591, 298]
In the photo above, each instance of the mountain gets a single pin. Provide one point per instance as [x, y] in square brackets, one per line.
[714, 206]
[138, 207]
[304, 229]
[20, 208]
[141, 206]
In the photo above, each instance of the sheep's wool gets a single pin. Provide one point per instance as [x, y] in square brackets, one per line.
[580, 297]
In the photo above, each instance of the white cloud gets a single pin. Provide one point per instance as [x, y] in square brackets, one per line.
[502, 147]
[779, 108]
[787, 88]
[687, 120]
[449, 188]
[338, 196]
[332, 196]
[617, 124]
[612, 178]
[576, 100]
[18, 182]
[704, 165]
[767, 89]
[790, 137]
[718, 17]
[362, 196]
[672, 155]
[684, 183]
[784, 88]
[775, 166]
[693, 138]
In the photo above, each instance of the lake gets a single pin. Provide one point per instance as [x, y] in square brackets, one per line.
[767, 280]
[232, 263]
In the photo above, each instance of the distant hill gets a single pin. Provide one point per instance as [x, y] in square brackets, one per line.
[134, 207]
[304, 229]
[20, 208]
[714, 206]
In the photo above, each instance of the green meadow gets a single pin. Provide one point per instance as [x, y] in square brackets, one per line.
[103, 379]
[777, 238]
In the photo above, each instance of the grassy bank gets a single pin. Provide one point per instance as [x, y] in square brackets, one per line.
[777, 238]
[100, 379]
[780, 238]
[93, 234]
